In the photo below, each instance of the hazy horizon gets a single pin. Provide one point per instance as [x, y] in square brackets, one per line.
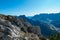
[29, 7]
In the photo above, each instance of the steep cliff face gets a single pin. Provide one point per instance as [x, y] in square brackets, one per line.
[12, 28]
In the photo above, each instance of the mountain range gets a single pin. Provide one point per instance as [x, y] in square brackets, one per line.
[53, 20]
[37, 27]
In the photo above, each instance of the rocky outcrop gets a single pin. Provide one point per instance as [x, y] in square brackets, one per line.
[12, 28]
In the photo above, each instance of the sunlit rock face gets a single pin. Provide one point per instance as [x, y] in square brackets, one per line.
[8, 30]
[12, 28]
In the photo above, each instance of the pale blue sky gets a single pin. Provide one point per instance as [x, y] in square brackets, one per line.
[29, 7]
